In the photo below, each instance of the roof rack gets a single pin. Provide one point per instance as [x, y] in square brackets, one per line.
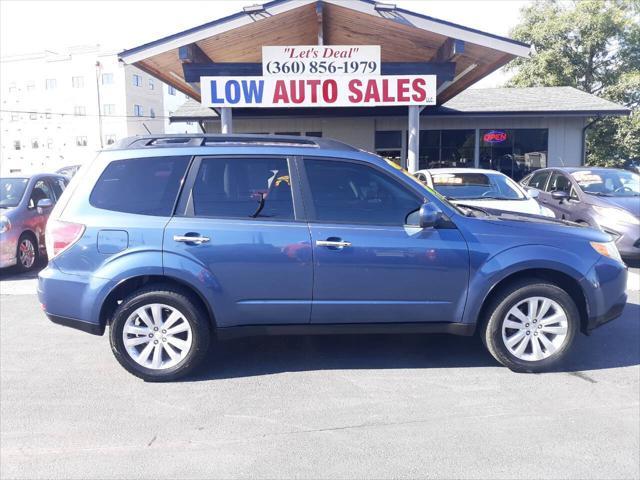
[213, 140]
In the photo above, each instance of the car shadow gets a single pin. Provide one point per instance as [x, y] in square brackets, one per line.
[614, 345]
[12, 273]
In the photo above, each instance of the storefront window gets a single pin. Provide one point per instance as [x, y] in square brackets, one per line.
[389, 145]
[515, 153]
[446, 148]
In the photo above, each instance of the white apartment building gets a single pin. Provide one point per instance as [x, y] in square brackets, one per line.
[59, 109]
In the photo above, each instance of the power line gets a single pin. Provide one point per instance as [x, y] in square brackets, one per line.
[139, 117]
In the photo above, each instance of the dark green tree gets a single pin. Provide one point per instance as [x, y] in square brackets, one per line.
[592, 45]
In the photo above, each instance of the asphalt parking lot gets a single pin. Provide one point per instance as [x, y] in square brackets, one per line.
[315, 407]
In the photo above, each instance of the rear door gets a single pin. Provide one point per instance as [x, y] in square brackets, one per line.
[370, 267]
[239, 226]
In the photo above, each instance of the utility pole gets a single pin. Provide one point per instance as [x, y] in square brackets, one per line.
[99, 102]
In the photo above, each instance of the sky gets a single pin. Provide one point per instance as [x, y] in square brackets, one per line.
[34, 25]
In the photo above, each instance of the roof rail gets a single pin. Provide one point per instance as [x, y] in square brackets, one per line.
[220, 140]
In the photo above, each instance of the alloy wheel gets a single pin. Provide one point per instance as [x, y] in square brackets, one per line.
[157, 336]
[26, 253]
[535, 328]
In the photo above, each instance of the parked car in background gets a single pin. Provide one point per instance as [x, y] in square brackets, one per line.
[69, 171]
[482, 188]
[169, 240]
[25, 205]
[603, 198]
[632, 165]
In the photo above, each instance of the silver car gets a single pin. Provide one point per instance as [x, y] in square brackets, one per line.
[25, 205]
[603, 198]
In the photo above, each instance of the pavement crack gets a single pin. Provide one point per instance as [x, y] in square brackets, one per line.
[583, 376]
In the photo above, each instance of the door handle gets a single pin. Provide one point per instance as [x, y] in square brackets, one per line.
[190, 239]
[332, 243]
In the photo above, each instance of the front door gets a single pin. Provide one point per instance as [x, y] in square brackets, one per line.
[564, 209]
[240, 228]
[369, 266]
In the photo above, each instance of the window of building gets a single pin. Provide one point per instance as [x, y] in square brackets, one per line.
[79, 110]
[252, 188]
[145, 186]
[388, 144]
[354, 193]
[152, 113]
[151, 84]
[50, 83]
[77, 82]
[31, 86]
[171, 90]
[81, 141]
[34, 143]
[138, 111]
[446, 148]
[137, 80]
[109, 139]
[514, 152]
[49, 143]
[17, 145]
[108, 109]
[47, 114]
[107, 78]
[15, 117]
[13, 89]
[33, 116]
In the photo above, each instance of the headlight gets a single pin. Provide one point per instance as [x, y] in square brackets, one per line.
[607, 249]
[5, 224]
[612, 216]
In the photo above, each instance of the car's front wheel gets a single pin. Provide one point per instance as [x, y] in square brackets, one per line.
[531, 325]
[159, 334]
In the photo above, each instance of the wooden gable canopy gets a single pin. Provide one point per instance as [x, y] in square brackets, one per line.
[404, 37]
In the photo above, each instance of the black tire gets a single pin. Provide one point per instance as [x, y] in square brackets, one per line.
[511, 296]
[30, 238]
[193, 315]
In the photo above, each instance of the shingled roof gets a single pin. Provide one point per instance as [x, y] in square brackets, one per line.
[480, 102]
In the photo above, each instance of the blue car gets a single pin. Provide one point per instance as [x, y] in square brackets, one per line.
[172, 240]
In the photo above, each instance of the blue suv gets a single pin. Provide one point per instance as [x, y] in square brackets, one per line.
[171, 240]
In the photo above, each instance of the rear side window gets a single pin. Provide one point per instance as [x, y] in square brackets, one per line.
[243, 188]
[538, 180]
[144, 186]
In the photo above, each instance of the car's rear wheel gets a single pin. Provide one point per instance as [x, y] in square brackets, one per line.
[26, 252]
[159, 334]
[531, 326]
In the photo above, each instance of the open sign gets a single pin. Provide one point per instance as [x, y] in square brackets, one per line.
[495, 136]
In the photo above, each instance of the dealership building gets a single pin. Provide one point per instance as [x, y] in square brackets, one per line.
[514, 130]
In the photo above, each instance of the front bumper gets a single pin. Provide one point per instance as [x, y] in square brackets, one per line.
[605, 291]
[8, 249]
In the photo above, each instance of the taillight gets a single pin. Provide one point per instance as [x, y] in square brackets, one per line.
[61, 235]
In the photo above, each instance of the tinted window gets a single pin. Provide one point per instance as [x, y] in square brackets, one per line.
[538, 180]
[559, 183]
[354, 193]
[243, 188]
[146, 186]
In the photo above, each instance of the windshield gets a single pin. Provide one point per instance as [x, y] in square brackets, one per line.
[608, 183]
[476, 186]
[11, 191]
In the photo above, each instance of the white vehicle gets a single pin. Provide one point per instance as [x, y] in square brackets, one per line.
[482, 188]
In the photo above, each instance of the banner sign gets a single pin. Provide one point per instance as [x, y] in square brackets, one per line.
[317, 60]
[301, 91]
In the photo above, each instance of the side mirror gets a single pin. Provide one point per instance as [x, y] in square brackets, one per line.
[533, 193]
[44, 204]
[560, 195]
[429, 215]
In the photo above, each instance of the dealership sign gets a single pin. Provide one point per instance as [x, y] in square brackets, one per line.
[495, 136]
[315, 60]
[318, 91]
